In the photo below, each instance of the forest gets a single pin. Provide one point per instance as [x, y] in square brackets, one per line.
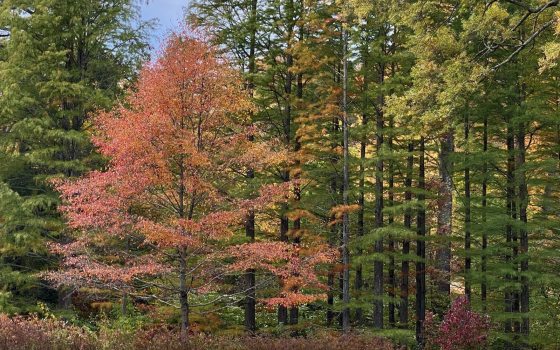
[280, 174]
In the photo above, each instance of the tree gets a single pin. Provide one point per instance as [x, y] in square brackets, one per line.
[60, 60]
[174, 146]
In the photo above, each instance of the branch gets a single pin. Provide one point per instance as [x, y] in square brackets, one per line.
[539, 9]
[524, 44]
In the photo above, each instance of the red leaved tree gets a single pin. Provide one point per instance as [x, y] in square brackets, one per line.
[155, 222]
[176, 147]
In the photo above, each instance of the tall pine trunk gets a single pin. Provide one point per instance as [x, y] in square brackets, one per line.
[378, 263]
[405, 267]
[346, 189]
[294, 311]
[484, 285]
[284, 225]
[523, 234]
[391, 197]
[287, 122]
[359, 282]
[467, 180]
[511, 212]
[444, 222]
[250, 297]
[421, 250]
[334, 232]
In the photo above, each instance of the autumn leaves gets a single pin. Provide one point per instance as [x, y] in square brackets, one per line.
[169, 200]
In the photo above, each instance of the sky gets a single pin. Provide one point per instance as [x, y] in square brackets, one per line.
[168, 13]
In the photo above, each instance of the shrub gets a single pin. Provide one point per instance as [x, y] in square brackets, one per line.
[461, 328]
[33, 333]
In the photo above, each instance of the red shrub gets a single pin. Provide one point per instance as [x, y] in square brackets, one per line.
[461, 328]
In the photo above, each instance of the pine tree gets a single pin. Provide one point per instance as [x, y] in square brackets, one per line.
[62, 60]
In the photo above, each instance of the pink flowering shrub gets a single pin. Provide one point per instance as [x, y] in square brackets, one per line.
[461, 328]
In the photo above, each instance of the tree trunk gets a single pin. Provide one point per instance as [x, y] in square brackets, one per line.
[421, 251]
[124, 302]
[334, 234]
[444, 222]
[282, 310]
[250, 297]
[378, 263]
[358, 284]
[287, 121]
[523, 234]
[391, 197]
[346, 189]
[510, 201]
[467, 213]
[294, 311]
[183, 294]
[483, 287]
[405, 267]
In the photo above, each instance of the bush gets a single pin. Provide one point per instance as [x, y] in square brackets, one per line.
[33, 333]
[461, 328]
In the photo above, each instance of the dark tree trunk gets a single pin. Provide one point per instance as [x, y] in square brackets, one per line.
[483, 287]
[391, 197]
[346, 189]
[183, 294]
[467, 213]
[250, 297]
[359, 282]
[523, 234]
[334, 233]
[510, 201]
[378, 263]
[421, 251]
[294, 311]
[405, 267]
[287, 122]
[282, 310]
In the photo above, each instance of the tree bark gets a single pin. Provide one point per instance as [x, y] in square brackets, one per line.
[421, 251]
[467, 213]
[282, 310]
[391, 197]
[378, 262]
[405, 267]
[444, 222]
[509, 295]
[294, 311]
[483, 287]
[358, 284]
[523, 234]
[346, 189]
[287, 121]
[250, 297]
[183, 294]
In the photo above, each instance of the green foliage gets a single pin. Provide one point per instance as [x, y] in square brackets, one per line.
[62, 60]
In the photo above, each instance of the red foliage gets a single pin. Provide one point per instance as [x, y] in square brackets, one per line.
[294, 264]
[176, 148]
[461, 328]
[21, 333]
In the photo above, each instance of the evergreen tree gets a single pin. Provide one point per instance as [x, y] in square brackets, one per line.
[61, 61]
